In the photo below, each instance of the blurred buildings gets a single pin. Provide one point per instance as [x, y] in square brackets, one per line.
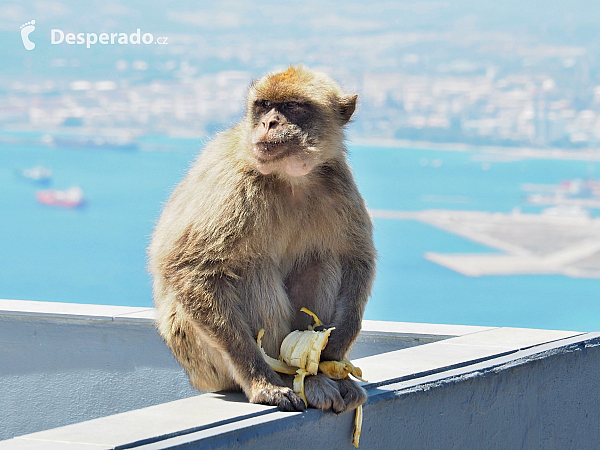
[449, 83]
[192, 107]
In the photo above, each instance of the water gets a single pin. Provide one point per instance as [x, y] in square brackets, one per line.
[410, 288]
[96, 254]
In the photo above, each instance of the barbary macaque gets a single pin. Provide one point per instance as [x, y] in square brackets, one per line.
[268, 220]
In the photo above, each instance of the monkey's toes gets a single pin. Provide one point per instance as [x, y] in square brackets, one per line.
[323, 393]
[353, 394]
[282, 397]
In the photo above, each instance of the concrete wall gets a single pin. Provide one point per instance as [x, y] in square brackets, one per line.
[55, 372]
[463, 388]
[548, 400]
[65, 363]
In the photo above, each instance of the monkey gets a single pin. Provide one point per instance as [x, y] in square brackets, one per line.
[267, 220]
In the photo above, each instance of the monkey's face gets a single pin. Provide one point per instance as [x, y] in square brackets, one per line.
[295, 121]
[281, 137]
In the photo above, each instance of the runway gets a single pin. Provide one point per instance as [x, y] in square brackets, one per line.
[529, 243]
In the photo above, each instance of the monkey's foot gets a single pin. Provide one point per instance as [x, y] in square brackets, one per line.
[353, 394]
[323, 393]
[282, 397]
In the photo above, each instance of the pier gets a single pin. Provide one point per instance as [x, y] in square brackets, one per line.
[531, 244]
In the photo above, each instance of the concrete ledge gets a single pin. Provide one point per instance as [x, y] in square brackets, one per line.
[66, 363]
[477, 388]
[75, 311]
[63, 363]
[112, 313]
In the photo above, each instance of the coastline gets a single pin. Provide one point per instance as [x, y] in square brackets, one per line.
[483, 153]
[571, 246]
[487, 153]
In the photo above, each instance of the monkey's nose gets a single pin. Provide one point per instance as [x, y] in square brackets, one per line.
[270, 123]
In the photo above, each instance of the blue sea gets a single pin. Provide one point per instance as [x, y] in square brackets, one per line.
[96, 254]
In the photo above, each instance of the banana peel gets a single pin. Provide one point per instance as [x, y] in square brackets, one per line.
[358, 418]
[276, 364]
[338, 370]
[300, 354]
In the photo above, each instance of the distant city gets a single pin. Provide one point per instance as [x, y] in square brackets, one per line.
[460, 83]
[476, 142]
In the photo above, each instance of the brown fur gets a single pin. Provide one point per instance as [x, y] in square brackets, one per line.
[267, 220]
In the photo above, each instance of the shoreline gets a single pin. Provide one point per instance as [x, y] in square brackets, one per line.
[485, 153]
[572, 250]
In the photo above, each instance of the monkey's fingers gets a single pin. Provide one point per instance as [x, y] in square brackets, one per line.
[282, 397]
[291, 402]
[353, 394]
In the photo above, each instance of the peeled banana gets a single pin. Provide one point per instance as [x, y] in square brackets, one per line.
[300, 354]
[303, 348]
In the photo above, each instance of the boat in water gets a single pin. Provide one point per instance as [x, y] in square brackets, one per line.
[575, 193]
[39, 174]
[67, 198]
[121, 143]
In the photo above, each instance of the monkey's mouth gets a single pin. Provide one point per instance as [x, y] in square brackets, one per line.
[276, 150]
[288, 157]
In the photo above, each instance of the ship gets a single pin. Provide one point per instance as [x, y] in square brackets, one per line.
[575, 193]
[39, 174]
[67, 198]
[92, 142]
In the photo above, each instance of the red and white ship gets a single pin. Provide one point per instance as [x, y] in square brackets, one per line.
[67, 198]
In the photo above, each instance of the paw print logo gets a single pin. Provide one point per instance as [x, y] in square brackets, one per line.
[26, 30]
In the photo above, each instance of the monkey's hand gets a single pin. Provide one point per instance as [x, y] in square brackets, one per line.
[268, 393]
[323, 393]
[338, 344]
[353, 394]
[300, 354]
[330, 389]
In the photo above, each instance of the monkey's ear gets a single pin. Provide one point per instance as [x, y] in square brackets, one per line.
[347, 107]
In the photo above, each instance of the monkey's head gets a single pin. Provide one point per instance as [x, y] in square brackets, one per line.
[295, 121]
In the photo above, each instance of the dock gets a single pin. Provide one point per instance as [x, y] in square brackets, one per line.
[524, 244]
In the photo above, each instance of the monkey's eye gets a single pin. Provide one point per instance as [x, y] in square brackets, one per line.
[291, 105]
[264, 104]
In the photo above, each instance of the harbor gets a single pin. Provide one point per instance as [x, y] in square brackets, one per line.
[526, 244]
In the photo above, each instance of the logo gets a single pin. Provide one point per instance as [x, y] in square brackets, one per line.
[89, 39]
[58, 36]
[26, 30]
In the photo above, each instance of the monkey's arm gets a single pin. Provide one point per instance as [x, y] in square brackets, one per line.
[214, 307]
[358, 274]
